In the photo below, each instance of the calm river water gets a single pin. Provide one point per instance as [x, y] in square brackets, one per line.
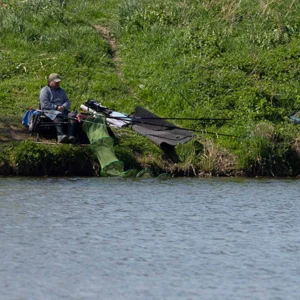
[100, 238]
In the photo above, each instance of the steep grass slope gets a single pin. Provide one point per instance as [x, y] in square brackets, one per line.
[216, 59]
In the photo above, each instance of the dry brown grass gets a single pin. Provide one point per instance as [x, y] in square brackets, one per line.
[2, 4]
[217, 161]
[264, 129]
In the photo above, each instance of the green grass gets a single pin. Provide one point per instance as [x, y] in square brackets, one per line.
[40, 38]
[225, 58]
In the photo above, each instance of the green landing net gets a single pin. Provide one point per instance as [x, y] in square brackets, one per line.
[102, 146]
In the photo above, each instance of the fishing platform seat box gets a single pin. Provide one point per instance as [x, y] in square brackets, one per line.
[41, 126]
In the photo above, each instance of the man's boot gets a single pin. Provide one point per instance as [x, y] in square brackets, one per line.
[61, 137]
[71, 137]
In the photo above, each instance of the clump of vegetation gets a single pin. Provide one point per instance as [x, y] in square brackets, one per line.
[30, 158]
[217, 59]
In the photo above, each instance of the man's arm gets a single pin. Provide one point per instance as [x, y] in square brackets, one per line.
[67, 102]
[45, 98]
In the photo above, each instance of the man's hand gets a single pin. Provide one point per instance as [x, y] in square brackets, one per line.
[60, 108]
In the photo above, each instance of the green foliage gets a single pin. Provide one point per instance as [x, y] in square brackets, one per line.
[213, 64]
[269, 152]
[38, 159]
[5, 160]
[42, 37]
[211, 58]
[132, 149]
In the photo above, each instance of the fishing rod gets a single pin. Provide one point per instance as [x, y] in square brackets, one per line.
[190, 129]
[179, 118]
[191, 104]
[132, 120]
[107, 111]
[45, 124]
[95, 107]
[129, 120]
[137, 121]
[87, 85]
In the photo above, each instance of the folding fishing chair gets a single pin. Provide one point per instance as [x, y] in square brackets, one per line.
[41, 126]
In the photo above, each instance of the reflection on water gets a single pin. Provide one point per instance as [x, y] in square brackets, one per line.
[99, 238]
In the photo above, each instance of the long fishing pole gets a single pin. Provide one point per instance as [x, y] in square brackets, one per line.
[45, 124]
[107, 111]
[134, 121]
[190, 129]
[87, 85]
[179, 118]
[140, 119]
[191, 104]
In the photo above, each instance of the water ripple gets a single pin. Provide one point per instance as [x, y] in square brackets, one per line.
[112, 238]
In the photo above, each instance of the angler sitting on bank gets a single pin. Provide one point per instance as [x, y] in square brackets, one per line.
[55, 103]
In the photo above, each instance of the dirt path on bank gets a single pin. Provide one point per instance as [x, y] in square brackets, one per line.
[13, 133]
[105, 33]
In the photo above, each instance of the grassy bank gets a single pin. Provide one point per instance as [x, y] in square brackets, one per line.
[216, 59]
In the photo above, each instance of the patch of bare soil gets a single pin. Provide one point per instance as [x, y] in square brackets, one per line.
[14, 133]
[105, 33]
[2, 4]
[111, 41]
